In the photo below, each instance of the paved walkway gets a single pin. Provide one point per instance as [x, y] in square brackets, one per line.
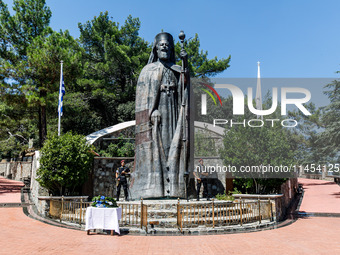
[320, 196]
[10, 191]
[312, 235]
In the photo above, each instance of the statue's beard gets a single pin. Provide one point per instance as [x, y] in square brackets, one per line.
[163, 55]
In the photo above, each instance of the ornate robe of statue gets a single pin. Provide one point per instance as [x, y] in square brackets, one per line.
[159, 158]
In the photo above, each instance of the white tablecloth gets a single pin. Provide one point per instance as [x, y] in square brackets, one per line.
[103, 218]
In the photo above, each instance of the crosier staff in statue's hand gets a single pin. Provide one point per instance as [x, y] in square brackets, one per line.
[184, 57]
[185, 81]
[184, 73]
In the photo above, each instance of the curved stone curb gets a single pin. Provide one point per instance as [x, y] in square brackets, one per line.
[31, 212]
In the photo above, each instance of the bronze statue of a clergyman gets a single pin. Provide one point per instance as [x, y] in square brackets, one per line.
[161, 157]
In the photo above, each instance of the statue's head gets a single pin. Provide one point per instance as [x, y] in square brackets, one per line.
[163, 48]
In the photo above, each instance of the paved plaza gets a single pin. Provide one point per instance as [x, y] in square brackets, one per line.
[307, 235]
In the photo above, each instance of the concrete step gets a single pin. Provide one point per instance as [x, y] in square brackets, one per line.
[172, 204]
[197, 230]
[172, 213]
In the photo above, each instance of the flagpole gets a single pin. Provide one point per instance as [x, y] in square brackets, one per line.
[60, 95]
[258, 97]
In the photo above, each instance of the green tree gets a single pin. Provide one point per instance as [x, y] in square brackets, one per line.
[113, 58]
[270, 144]
[198, 62]
[31, 18]
[65, 163]
[16, 125]
[304, 138]
[249, 146]
[121, 148]
[43, 75]
[17, 32]
[330, 138]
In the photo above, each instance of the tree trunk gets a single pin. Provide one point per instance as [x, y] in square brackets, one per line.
[43, 124]
[39, 127]
[42, 120]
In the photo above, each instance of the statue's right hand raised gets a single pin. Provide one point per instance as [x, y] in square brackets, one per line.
[155, 117]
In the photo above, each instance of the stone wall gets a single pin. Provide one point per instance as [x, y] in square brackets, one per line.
[16, 170]
[27, 168]
[102, 180]
[104, 176]
[36, 190]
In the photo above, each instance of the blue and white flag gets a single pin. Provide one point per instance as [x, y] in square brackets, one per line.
[61, 95]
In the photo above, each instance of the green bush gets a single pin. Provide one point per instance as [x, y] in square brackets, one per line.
[121, 148]
[230, 196]
[224, 196]
[65, 163]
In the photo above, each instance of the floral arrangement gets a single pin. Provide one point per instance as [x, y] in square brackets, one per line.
[104, 202]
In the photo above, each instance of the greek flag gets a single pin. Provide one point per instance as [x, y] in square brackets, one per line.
[61, 95]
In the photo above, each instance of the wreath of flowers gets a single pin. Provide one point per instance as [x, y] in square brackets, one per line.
[104, 202]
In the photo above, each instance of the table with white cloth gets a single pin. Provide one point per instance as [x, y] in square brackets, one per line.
[103, 218]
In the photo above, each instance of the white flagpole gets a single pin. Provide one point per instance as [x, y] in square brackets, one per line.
[258, 98]
[60, 95]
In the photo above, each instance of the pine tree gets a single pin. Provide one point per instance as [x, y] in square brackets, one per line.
[330, 138]
[17, 32]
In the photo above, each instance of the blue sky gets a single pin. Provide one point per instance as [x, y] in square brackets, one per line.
[291, 39]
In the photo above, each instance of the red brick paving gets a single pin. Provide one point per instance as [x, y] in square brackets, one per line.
[320, 196]
[22, 235]
[10, 191]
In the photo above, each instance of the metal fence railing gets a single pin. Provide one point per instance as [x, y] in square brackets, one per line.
[134, 214]
[189, 214]
[73, 209]
[222, 213]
